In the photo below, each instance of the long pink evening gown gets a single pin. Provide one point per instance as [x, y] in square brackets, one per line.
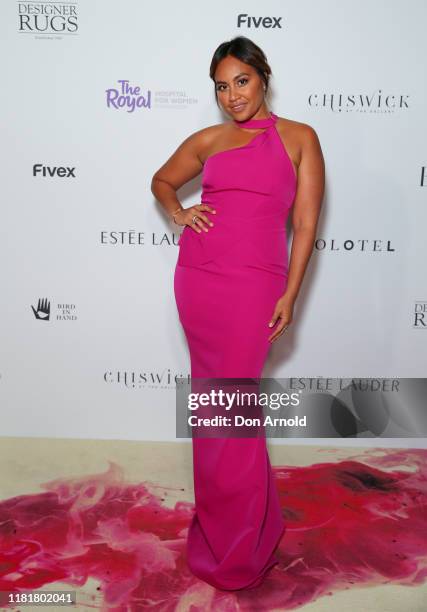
[227, 282]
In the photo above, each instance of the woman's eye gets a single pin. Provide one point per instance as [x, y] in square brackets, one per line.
[242, 81]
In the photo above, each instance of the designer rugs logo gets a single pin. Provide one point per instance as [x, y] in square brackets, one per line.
[48, 19]
[63, 312]
[376, 102]
[419, 320]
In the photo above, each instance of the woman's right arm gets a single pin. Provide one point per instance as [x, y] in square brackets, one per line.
[182, 166]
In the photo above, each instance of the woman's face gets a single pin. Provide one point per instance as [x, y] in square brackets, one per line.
[239, 88]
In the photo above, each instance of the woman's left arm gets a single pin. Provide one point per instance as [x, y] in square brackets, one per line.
[305, 216]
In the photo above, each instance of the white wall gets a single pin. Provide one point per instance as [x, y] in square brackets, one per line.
[104, 366]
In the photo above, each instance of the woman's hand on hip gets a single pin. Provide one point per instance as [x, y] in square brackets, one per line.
[186, 216]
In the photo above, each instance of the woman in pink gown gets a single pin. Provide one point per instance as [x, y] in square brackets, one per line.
[232, 280]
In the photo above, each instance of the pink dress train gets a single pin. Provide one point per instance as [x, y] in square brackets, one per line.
[227, 282]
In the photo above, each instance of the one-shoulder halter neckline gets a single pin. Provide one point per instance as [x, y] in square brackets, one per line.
[257, 123]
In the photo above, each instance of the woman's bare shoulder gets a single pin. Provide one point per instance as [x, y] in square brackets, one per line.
[299, 136]
[202, 140]
[206, 134]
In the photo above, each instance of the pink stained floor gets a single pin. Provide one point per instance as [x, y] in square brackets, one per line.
[350, 523]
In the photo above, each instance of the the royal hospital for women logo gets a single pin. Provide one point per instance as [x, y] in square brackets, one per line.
[131, 97]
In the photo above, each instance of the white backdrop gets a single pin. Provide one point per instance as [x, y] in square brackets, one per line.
[96, 248]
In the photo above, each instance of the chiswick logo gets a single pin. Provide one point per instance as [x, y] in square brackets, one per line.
[47, 18]
[127, 97]
[137, 380]
[376, 102]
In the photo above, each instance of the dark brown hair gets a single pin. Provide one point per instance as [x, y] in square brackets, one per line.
[245, 50]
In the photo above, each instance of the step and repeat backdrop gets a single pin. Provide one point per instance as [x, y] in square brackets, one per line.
[96, 95]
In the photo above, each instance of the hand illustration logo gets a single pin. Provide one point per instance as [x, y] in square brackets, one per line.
[43, 310]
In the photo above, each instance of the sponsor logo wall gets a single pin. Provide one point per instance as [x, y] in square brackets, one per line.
[98, 96]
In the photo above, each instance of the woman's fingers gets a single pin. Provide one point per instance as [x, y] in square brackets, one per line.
[198, 223]
[206, 207]
[201, 218]
[281, 328]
